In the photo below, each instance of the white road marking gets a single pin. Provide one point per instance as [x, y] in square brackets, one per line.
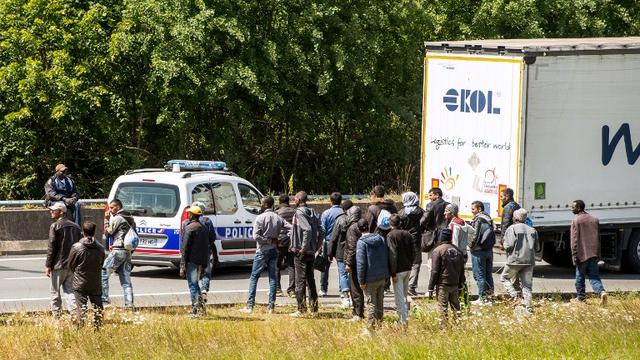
[26, 278]
[213, 292]
[21, 259]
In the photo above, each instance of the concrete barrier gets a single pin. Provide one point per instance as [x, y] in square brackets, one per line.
[26, 231]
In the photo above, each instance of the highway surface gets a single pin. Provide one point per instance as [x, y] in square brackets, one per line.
[24, 287]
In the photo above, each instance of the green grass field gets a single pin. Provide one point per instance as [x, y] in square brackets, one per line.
[556, 330]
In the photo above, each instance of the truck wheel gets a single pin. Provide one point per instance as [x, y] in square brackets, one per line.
[633, 253]
[560, 258]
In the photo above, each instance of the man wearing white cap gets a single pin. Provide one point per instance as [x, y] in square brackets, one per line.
[62, 235]
[60, 188]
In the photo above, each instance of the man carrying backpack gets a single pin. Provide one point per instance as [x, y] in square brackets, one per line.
[305, 237]
[432, 222]
[336, 250]
[117, 224]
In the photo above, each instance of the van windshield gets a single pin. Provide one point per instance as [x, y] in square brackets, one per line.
[149, 200]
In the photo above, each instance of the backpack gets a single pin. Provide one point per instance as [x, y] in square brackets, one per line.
[384, 220]
[131, 239]
[462, 234]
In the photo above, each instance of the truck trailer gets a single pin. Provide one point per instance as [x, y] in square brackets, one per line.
[556, 120]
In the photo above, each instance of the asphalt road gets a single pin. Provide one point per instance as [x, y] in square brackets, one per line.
[24, 287]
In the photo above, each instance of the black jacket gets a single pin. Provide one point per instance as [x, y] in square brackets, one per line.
[507, 215]
[85, 260]
[401, 251]
[433, 219]
[352, 236]
[195, 246]
[339, 235]
[447, 266]
[374, 210]
[286, 212]
[411, 223]
[62, 235]
[485, 236]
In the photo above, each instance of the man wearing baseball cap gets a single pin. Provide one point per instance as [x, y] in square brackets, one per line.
[63, 233]
[195, 251]
[60, 188]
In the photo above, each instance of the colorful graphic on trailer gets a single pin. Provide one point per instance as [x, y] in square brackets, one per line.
[471, 132]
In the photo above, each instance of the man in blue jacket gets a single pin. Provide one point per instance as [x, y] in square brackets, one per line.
[372, 264]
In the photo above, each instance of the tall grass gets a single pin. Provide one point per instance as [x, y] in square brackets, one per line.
[556, 330]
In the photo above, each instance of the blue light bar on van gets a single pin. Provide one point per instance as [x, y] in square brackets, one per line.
[195, 165]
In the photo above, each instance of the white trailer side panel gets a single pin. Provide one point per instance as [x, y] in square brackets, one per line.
[575, 107]
[471, 126]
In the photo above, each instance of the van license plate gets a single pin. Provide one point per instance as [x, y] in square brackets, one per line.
[150, 242]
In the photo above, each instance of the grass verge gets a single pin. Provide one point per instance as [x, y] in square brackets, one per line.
[556, 330]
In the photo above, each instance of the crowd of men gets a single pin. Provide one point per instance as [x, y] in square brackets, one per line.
[373, 250]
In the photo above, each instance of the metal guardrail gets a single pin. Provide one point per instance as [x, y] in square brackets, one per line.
[9, 203]
[12, 203]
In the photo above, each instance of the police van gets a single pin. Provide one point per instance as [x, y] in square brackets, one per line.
[158, 200]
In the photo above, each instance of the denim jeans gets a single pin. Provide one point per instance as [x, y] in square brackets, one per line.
[192, 274]
[400, 289]
[588, 269]
[61, 282]
[118, 260]
[522, 273]
[264, 259]
[344, 277]
[482, 267]
[206, 279]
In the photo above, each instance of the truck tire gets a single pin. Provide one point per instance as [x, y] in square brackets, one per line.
[557, 258]
[633, 253]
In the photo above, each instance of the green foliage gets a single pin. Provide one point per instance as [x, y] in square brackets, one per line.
[327, 92]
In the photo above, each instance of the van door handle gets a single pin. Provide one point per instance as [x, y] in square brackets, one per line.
[248, 222]
[237, 221]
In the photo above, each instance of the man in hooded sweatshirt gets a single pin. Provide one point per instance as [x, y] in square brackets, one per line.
[336, 250]
[410, 216]
[305, 240]
[354, 214]
[85, 261]
[372, 262]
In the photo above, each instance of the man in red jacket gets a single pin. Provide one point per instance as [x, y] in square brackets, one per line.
[585, 251]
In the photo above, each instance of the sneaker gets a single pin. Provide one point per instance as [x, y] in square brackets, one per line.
[296, 314]
[412, 292]
[204, 297]
[345, 303]
[603, 298]
[246, 310]
[356, 318]
[577, 300]
[480, 302]
[292, 294]
[322, 293]
[279, 293]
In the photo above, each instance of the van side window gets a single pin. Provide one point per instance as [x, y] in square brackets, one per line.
[204, 194]
[250, 198]
[224, 197]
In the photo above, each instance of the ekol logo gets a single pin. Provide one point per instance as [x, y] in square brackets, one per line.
[466, 100]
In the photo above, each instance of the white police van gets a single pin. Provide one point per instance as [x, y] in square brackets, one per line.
[158, 199]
